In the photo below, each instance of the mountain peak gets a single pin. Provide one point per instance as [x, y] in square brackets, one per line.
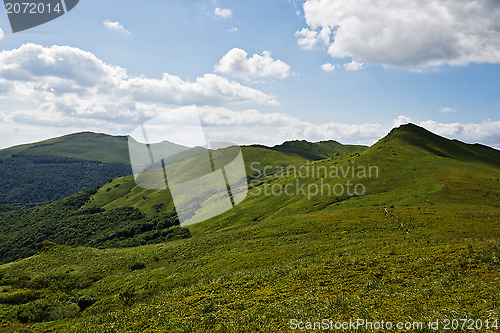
[316, 150]
[421, 138]
[88, 146]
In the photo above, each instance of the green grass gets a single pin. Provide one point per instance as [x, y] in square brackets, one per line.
[123, 192]
[81, 146]
[420, 245]
[318, 150]
[342, 264]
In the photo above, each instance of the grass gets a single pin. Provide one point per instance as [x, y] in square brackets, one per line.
[317, 151]
[123, 192]
[341, 265]
[82, 146]
[420, 245]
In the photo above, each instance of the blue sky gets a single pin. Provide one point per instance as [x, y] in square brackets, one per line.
[254, 69]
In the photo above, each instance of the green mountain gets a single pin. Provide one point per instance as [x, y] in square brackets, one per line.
[56, 168]
[87, 146]
[117, 214]
[318, 150]
[419, 244]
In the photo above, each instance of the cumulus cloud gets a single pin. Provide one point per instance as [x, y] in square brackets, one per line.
[223, 12]
[237, 63]
[329, 68]
[405, 33]
[115, 26]
[353, 66]
[307, 38]
[63, 86]
[487, 132]
[448, 109]
[253, 126]
[400, 120]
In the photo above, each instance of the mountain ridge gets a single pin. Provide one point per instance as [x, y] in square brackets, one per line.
[88, 146]
[420, 243]
[451, 148]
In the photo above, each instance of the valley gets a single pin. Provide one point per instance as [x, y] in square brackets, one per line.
[420, 244]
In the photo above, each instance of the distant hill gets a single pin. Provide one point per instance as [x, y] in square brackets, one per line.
[56, 168]
[116, 214]
[87, 146]
[413, 166]
[317, 150]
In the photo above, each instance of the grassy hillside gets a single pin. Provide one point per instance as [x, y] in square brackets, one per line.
[123, 192]
[421, 244]
[56, 168]
[69, 222]
[117, 214]
[317, 150]
[86, 146]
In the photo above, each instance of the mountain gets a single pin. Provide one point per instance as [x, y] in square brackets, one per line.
[56, 168]
[117, 214]
[86, 146]
[439, 146]
[421, 242]
[318, 150]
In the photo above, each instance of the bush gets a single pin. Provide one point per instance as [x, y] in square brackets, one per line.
[85, 302]
[46, 310]
[137, 266]
[127, 295]
[19, 297]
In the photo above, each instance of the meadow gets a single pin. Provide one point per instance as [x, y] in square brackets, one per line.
[420, 245]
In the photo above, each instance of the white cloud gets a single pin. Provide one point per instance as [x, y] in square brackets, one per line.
[329, 68]
[307, 38]
[223, 12]
[1, 34]
[115, 26]
[236, 63]
[353, 66]
[253, 126]
[62, 86]
[448, 109]
[487, 132]
[406, 33]
[400, 120]
[233, 29]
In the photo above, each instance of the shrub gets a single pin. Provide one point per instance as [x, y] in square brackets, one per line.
[137, 266]
[127, 295]
[46, 310]
[19, 297]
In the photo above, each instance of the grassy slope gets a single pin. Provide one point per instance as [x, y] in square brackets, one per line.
[318, 150]
[81, 146]
[123, 192]
[104, 219]
[53, 169]
[433, 254]
[41, 172]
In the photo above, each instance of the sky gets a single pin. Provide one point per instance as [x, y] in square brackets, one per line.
[260, 71]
